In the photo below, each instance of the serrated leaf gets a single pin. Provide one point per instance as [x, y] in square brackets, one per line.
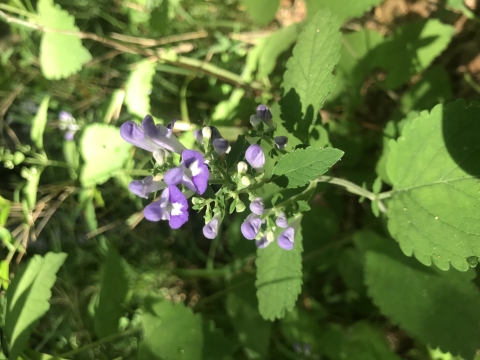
[438, 308]
[261, 11]
[309, 79]
[279, 278]
[103, 151]
[343, 10]
[304, 165]
[172, 332]
[111, 300]
[434, 212]
[61, 55]
[39, 122]
[27, 298]
[139, 87]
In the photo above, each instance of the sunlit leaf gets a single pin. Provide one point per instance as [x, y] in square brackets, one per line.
[39, 122]
[261, 11]
[139, 87]
[343, 10]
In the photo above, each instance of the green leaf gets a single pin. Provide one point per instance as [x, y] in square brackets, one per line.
[216, 345]
[5, 206]
[343, 10]
[242, 307]
[460, 5]
[104, 152]
[27, 298]
[4, 274]
[309, 79]
[434, 212]
[438, 308]
[172, 332]
[139, 87]
[111, 301]
[414, 46]
[61, 55]
[261, 11]
[279, 278]
[224, 109]
[39, 122]
[30, 190]
[35, 355]
[304, 165]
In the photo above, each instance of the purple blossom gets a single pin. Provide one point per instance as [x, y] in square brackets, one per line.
[69, 135]
[210, 230]
[281, 142]
[146, 186]
[251, 226]
[66, 117]
[192, 172]
[286, 238]
[263, 112]
[281, 220]
[220, 145]
[255, 156]
[151, 137]
[256, 206]
[172, 206]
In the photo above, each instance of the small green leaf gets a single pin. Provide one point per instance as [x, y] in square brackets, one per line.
[172, 332]
[30, 190]
[111, 300]
[309, 79]
[343, 10]
[104, 152]
[303, 206]
[434, 212]
[27, 298]
[261, 11]
[225, 108]
[39, 122]
[438, 308]
[4, 274]
[5, 206]
[61, 55]
[139, 87]
[279, 278]
[304, 165]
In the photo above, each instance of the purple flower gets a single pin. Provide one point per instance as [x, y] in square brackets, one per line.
[172, 206]
[69, 135]
[262, 243]
[263, 112]
[281, 142]
[66, 116]
[150, 136]
[220, 145]
[286, 238]
[210, 230]
[255, 156]
[146, 186]
[281, 220]
[197, 134]
[256, 206]
[192, 172]
[251, 226]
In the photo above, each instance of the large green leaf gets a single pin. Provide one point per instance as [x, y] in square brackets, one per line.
[39, 122]
[139, 87]
[437, 307]
[309, 79]
[172, 332]
[104, 152]
[304, 165]
[343, 10]
[61, 55]
[27, 299]
[111, 301]
[261, 11]
[279, 278]
[434, 212]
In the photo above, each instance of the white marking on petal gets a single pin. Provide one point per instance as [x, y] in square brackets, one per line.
[176, 209]
[195, 169]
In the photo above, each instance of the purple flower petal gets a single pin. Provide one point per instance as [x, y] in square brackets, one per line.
[251, 226]
[69, 135]
[193, 160]
[281, 142]
[220, 145]
[210, 230]
[255, 156]
[281, 221]
[263, 112]
[133, 134]
[178, 207]
[157, 210]
[286, 239]
[197, 134]
[146, 186]
[161, 135]
[256, 206]
[174, 176]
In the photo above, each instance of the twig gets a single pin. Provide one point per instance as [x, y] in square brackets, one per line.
[162, 41]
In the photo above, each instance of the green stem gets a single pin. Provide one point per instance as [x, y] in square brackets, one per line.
[17, 11]
[211, 252]
[32, 161]
[183, 99]
[100, 342]
[354, 188]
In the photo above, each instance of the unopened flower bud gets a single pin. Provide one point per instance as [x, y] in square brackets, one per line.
[245, 181]
[281, 221]
[263, 112]
[255, 157]
[197, 134]
[242, 167]
[220, 145]
[207, 132]
[210, 230]
[281, 142]
[159, 155]
[240, 206]
[256, 206]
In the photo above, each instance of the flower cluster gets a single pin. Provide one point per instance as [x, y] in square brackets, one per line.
[210, 166]
[68, 123]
